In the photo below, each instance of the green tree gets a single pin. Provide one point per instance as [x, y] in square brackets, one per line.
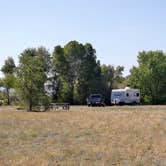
[60, 67]
[9, 80]
[32, 75]
[150, 76]
[9, 83]
[9, 66]
[78, 71]
[45, 57]
[59, 62]
[1, 82]
[73, 53]
[111, 78]
[89, 75]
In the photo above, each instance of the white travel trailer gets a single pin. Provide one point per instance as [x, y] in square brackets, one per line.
[125, 96]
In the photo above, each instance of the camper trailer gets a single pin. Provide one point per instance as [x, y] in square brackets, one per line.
[125, 96]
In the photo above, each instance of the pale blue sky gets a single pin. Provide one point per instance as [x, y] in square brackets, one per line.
[117, 29]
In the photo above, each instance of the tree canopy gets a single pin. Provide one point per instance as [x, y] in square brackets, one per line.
[9, 66]
[150, 76]
[31, 74]
[78, 70]
[9, 80]
[75, 72]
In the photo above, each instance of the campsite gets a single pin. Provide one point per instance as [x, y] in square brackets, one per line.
[83, 83]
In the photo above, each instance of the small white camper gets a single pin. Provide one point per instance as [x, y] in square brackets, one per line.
[125, 96]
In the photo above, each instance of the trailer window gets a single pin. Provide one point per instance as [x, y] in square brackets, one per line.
[127, 94]
[117, 94]
[137, 94]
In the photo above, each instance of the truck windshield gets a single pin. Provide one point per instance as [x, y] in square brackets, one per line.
[95, 96]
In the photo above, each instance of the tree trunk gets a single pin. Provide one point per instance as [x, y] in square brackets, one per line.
[8, 96]
[72, 93]
[29, 107]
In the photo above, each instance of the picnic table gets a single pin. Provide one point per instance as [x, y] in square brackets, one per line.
[64, 106]
[52, 106]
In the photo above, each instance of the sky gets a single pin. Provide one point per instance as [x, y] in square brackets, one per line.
[117, 29]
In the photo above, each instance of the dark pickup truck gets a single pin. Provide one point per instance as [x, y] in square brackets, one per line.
[95, 100]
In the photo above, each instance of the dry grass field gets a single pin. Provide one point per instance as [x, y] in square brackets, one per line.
[127, 135]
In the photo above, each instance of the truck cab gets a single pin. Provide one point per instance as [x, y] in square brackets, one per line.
[95, 100]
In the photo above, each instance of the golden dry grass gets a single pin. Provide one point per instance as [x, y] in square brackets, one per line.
[129, 136]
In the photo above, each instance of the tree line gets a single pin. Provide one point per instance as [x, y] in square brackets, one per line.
[75, 72]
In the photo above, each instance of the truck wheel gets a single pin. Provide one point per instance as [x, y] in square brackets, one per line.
[134, 103]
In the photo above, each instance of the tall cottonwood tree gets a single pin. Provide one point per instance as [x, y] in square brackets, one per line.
[79, 71]
[9, 66]
[150, 76]
[32, 74]
[9, 79]
[89, 75]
